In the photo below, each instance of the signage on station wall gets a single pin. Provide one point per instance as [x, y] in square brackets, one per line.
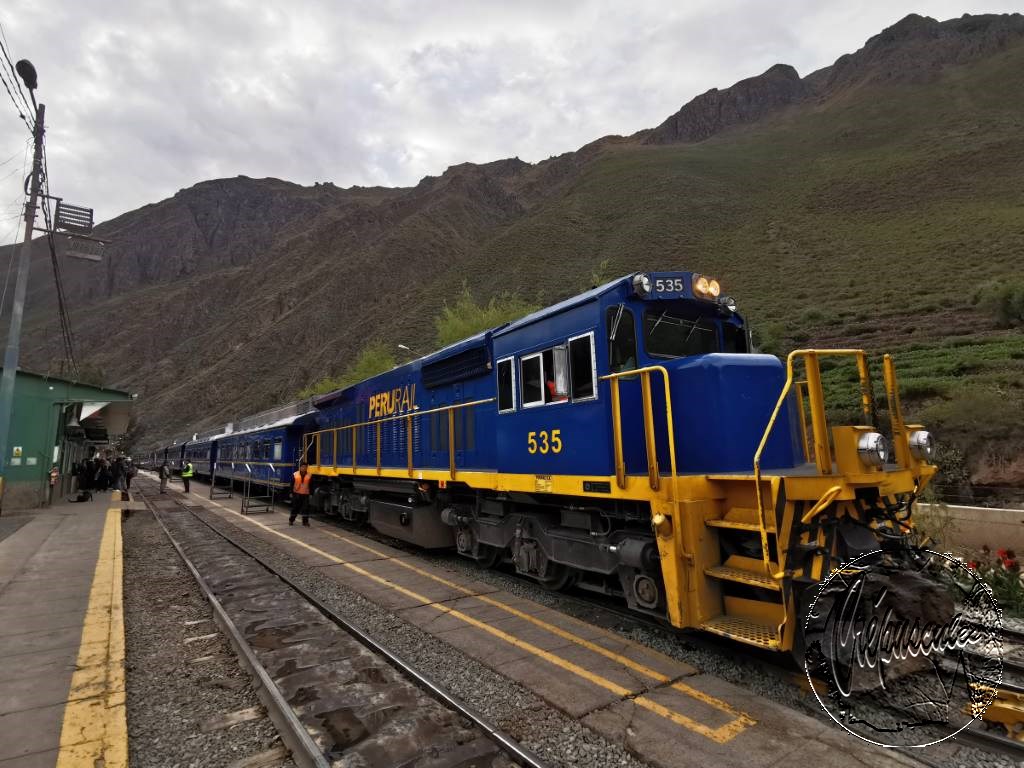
[16, 452]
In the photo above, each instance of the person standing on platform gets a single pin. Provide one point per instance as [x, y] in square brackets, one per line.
[117, 471]
[300, 494]
[165, 475]
[129, 472]
[186, 473]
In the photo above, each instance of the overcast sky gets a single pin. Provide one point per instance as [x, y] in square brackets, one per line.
[146, 97]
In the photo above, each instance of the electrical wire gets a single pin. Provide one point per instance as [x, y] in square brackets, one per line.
[5, 47]
[62, 303]
[17, 106]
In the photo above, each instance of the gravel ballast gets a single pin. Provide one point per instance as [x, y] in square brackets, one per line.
[174, 687]
[555, 737]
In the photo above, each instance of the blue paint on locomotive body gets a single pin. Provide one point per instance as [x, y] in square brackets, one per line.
[269, 455]
[721, 401]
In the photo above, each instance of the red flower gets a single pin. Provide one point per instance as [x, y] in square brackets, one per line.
[1009, 564]
[1002, 554]
[973, 565]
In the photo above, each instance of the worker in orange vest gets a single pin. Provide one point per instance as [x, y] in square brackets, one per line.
[300, 494]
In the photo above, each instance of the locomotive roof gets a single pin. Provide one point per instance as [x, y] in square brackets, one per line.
[562, 306]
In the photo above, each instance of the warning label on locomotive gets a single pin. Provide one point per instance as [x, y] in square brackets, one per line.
[903, 648]
[543, 484]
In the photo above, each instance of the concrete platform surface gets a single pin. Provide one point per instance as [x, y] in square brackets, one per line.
[666, 711]
[62, 638]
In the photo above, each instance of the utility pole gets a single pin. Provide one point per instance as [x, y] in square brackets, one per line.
[18, 310]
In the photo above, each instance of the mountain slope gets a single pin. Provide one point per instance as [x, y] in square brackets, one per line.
[861, 205]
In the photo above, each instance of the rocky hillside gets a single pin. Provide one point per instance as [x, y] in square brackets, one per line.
[862, 204]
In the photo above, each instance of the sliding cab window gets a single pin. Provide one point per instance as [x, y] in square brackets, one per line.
[506, 385]
[621, 339]
[545, 377]
[668, 335]
[531, 374]
[582, 367]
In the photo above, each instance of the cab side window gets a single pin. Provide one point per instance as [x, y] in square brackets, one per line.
[506, 386]
[621, 339]
[582, 367]
[531, 369]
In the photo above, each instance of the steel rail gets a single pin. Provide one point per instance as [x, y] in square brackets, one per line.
[304, 750]
[519, 754]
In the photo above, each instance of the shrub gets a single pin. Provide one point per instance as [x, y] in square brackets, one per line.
[768, 337]
[1003, 300]
[375, 358]
[466, 317]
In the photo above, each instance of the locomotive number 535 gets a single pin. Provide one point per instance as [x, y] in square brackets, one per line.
[544, 442]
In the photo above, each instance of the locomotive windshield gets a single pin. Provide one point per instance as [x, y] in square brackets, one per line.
[668, 335]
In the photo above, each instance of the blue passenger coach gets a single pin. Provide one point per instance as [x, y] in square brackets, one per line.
[267, 448]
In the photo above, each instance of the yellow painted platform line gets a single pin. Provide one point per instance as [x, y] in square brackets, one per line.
[721, 735]
[95, 731]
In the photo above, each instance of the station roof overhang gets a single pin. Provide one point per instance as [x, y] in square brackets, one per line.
[100, 420]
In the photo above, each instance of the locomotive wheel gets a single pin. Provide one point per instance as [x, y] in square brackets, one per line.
[561, 578]
[488, 556]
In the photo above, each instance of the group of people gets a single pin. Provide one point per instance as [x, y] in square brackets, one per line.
[105, 473]
[187, 471]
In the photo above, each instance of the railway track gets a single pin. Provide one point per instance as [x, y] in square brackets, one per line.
[336, 695]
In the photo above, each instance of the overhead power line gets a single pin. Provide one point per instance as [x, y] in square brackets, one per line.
[5, 48]
[62, 302]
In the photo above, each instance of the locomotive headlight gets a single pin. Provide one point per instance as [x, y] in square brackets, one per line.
[642, 284]
[922, 445]
[714, 288]
[701, 285]
[873, 449]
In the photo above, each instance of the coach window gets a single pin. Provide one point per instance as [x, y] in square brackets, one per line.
[531, 370]
[506, 386]
[621, 339]
[582, 367]
[277, 449]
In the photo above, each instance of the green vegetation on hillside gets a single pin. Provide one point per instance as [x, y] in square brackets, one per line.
[1004, 301]
[466, 317]
[373, 359]
[458, 320]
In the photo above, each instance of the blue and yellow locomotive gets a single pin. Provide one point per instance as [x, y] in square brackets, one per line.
[628, 441]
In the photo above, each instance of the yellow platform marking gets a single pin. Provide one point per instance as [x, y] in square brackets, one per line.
[721, 735]
[95, 731]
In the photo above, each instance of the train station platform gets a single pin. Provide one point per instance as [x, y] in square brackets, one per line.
[62, 636]
[658, 707]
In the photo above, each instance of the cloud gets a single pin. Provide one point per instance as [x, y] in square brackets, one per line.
[146, 97]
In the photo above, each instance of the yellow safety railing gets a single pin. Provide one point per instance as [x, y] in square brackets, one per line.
[313, 440]
[822, 450]
[892, 394]
[653, 472]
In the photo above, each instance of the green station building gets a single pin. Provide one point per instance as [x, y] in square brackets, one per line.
[56, 421]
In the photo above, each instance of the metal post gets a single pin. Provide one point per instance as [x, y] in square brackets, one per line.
[18, 309]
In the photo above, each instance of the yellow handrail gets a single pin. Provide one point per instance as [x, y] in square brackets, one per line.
[819, 426]
[376, 423]
[649, 437]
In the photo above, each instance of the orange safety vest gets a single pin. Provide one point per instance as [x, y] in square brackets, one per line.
[300, 483]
